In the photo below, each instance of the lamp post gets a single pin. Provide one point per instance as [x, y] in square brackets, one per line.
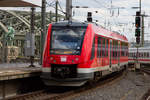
[43, 29]
[140, 6]
[69, 10]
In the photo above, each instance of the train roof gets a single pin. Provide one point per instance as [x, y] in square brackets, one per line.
[97, 29]
[70, 23]
[107, 33]
[140, 48]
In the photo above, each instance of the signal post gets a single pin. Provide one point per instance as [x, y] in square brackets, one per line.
[137, 35]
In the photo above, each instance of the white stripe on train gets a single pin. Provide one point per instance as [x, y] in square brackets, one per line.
[90, 70]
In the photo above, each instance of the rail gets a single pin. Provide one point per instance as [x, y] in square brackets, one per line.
[146, 70]
[64, 92]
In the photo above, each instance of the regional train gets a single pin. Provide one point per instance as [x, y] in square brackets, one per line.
[78, 52]
[142, 55]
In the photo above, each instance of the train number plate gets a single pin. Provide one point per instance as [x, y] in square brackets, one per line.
[63, 59]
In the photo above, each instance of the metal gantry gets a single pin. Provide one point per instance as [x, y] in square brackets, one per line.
[20, 21]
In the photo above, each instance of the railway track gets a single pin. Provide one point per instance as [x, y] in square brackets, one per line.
[146, 96]
[66, 92]
[100, 84]
[45, 94]
[145, 70]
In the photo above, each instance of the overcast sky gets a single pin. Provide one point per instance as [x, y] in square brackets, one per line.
[108, 14]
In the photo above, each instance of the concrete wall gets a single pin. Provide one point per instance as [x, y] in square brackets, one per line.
[11, 88]
[20, 86]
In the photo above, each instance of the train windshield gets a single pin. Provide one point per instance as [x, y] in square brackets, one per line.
[67, 40]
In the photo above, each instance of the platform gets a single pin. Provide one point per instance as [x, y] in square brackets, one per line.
[15, 71]
[15, 76]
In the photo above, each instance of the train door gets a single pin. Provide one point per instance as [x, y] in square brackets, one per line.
[110, 54]
[99, 50]
[119, 53]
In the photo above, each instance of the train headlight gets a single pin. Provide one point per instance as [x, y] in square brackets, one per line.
[76, 59]
[51, 58]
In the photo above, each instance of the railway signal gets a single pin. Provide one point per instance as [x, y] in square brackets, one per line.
[138, 40]
[89, 17]
[138, 20]
[137, 32]
[138, 26]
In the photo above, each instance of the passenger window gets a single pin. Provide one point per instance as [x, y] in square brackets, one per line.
[103, 47]
[106, 47]
[147, 54]
[115, 49]
[93, 50]
[99, 48]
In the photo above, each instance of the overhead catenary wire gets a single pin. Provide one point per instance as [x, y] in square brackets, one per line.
[112, 12]
[103, 5]
[53, 6]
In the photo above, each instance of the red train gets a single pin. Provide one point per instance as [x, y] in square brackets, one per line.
[77, 52]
